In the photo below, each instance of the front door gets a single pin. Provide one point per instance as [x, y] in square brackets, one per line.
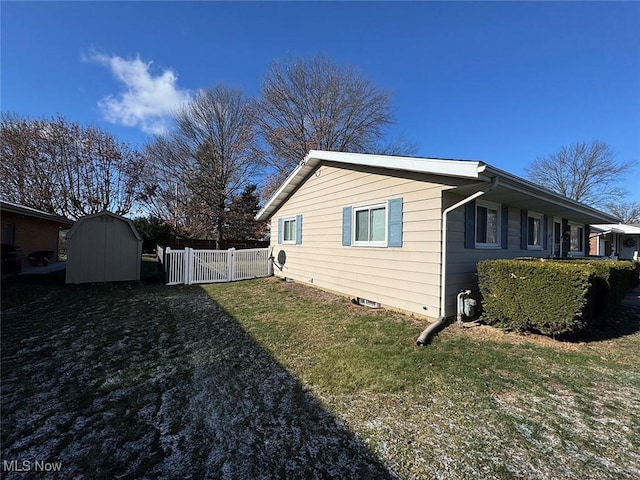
[557, 238]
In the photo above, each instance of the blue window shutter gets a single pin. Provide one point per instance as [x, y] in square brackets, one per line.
[394, 238]
[524, 224]
[545, 228]
[298, 229]
[346, 226]
[470, 224]
[504, 236]
[280, 232]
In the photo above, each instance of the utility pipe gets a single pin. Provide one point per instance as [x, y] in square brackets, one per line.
[460, 298]
[424, 337]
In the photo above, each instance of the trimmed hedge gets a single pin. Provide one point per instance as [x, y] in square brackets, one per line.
[635, 277]
[611, 283]
[548, 297]
[551, 297]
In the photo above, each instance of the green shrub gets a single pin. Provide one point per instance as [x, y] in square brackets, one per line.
[544, 296]
[635, 277]
[552, 296]
[612, 281]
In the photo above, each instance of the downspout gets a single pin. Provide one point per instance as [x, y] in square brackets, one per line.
[424, 337]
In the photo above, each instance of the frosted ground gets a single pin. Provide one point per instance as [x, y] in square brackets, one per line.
[151, 382]
[147, 381]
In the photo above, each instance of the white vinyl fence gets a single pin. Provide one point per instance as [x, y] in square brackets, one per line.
[191, 266]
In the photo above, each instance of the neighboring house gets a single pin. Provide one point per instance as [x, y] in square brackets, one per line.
[373, 227]
[30, 229]
[615, 240]
[103, 247]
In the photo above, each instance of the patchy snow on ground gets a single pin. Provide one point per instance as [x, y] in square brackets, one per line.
[145, 381]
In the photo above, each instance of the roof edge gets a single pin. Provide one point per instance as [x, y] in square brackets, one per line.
[519, 182]
[434, 166]
[133, 228]
[12, 207]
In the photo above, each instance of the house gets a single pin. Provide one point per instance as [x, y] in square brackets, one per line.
[407, 233]
[103, 247]
[31, 230]
[615, 240]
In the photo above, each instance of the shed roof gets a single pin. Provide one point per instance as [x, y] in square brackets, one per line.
[510, 188]
[81, 220]
[11, 207]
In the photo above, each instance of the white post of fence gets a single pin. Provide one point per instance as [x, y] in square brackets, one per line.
[230, 264]
[166, 265]
[188, 255]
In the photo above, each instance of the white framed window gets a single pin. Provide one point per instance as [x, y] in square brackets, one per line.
[289, 230]
[488, 218]
[535, 229]
[370, 225]
[576, 239]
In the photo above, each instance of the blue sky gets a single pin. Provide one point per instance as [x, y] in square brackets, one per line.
[500, 82]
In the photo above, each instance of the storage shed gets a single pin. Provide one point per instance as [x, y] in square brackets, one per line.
[103, 247]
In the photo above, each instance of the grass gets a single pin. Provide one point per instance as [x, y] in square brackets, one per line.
[140, 380]
[269, 379]
[492, 405]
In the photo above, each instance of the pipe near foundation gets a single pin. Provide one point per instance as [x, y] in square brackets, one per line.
[428, 332]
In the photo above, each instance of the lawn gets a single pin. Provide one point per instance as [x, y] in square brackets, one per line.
[476, 403]
[268, 379]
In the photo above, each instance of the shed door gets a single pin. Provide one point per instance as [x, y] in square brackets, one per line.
[120, 251]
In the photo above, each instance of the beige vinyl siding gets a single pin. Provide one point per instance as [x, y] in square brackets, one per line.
[462, 262]
[404, 277]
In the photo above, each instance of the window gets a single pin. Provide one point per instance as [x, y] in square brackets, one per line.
[378, 225]
[370, 225]
[290, 230]
[576, 236]
[487, 224]
[8, 233]
[534, 231]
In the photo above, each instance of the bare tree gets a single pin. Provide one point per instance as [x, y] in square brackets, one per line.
[64, 168]
[209, 156]
[627, 212]
[585, 172]
[315, 104]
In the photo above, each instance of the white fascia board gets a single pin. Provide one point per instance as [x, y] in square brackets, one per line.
[451, 168]
[525, 186]
[290, 184]
[434, 166]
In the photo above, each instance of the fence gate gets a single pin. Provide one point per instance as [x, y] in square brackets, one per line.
[191, 266]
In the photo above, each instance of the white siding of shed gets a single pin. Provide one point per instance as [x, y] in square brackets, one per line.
[103, 248]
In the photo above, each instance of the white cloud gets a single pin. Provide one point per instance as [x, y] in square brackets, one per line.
[148, 101]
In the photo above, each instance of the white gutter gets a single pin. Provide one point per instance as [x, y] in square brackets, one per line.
[423, 339]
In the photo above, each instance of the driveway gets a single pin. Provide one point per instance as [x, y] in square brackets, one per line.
[147, 381]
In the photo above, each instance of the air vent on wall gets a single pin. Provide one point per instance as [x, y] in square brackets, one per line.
[368, 303]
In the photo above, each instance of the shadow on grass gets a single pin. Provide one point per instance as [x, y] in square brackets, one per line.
[139, 380]
[621, 323]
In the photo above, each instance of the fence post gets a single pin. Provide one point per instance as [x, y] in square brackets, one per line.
[166, 264]
[187, 265]
[230, 263]
[270, 260]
